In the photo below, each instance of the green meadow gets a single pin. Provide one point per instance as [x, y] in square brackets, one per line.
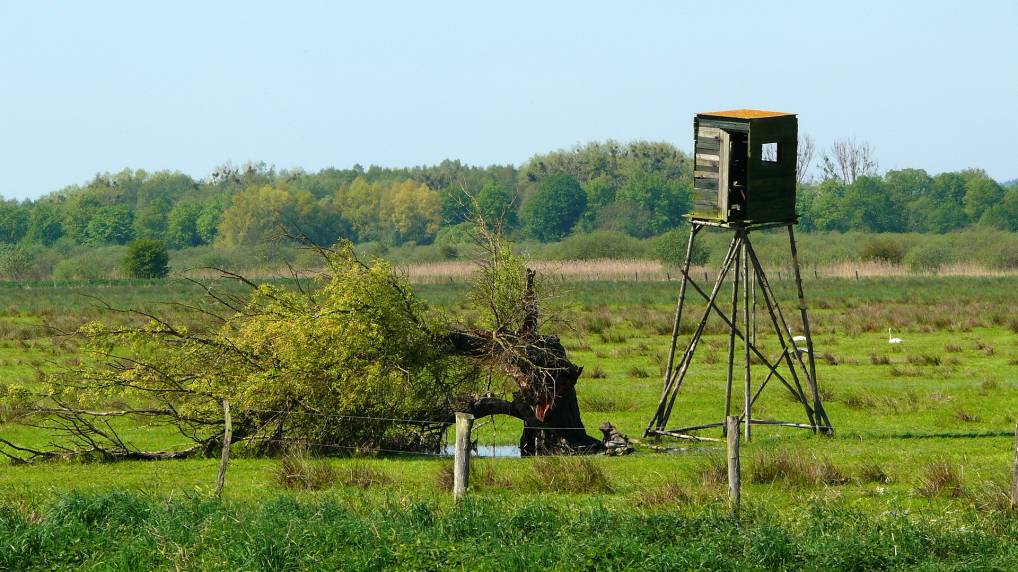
[915, 476]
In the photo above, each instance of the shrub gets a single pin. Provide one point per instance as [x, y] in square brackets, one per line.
[92, 264]
[883, 249]
[1003, 257]
[147, 258]
[926, 258]
[670, 248]
[597, 244]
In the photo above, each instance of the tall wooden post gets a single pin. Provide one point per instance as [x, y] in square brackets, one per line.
[227, 438]
[1014, 476]
[734, 470]
[461, 456]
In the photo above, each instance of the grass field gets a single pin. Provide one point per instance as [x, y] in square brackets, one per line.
[915, 476]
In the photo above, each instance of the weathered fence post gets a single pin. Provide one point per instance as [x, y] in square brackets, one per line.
[227, 437]
[734, 470]
[461, 457]
[1014, 475]
[856, 274]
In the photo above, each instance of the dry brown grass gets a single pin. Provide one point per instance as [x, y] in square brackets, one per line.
[874, 473]
[638, 372]
[363, 475]
[713, 472]
[602, 403]
[879, 360]
[298, 470]
[940, 479]
[574, 474]
[480, 477]
[667, 494]
[795, 470]
[652, 270]
[965, 416]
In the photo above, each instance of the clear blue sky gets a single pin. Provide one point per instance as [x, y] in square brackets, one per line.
[99, 86]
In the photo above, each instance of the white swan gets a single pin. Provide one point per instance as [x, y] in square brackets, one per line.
[798, 339]
[891, 340]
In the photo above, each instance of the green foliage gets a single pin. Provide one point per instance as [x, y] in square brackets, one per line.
[91, 264]
[670, 248]
[641, 189]
[553, 210]
[497, 204]
[362, 344]
[182, 225]
[255, 216]
[927, 258]
[151, 219]
[110, 225]
[15, 261]
[147, 258]
[884, 249]
[45, 224]
[207, 223]
[13, 221]
[595, 245]
[627, 217]
[665, 200]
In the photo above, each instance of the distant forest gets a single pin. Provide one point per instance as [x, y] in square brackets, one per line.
[640, 189]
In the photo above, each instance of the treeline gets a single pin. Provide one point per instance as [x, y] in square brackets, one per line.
[909, 200]
[639, 189]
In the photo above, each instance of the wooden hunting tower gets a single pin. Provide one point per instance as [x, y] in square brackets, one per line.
[744, 165]
[744, 169]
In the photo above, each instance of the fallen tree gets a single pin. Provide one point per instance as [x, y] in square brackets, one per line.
[350, 359]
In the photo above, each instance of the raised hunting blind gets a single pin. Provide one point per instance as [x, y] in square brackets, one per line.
[744, 166]
[745, 163]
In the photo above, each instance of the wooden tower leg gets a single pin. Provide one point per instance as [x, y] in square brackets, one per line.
[731, 335]
[814, 385]
[671, 389]
[781, 329]
[694, 229]
[747, 390]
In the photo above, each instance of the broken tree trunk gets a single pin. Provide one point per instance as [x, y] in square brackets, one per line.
[546, 400]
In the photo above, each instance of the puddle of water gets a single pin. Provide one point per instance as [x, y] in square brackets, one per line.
[490, 451]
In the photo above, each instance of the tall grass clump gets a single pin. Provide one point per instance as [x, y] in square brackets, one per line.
[713, 472]
[941, 478]
[795, 469]
[572, 474]
[298, 470]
